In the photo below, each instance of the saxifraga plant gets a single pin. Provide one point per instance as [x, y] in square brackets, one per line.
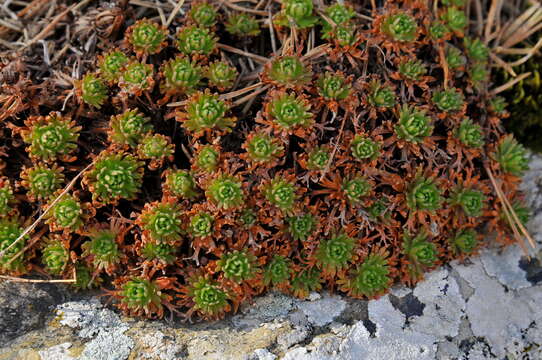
[234, 152]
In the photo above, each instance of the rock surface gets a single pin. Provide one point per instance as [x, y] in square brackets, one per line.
[486, 308]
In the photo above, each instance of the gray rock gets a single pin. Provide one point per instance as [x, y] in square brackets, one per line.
[324, 310]
[494, 314]
[262, 354]
[504, 267]
[25, 307]
[265, 308]
[57, 352]
[444, 305]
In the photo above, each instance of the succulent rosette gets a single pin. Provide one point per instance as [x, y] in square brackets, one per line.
[438, 30]
[92, 90]
[419, 250]
[297, 13]
[161, 252]
[476, 50]
[400, 27]
[241, 24]
[102, 249]
[221, 75]
[301, 227]
[226, 192]
[455, 58]
[146, 37]
[381, 96]
[412, 69]
[209, 299]
[129, 127]
[66, 214]
[141, 296]
[339, 14]
[55, 256]
[277, 272]
[511, 156]
[42, 180]
[114, 176]
[413, 125]
[343, 35]
[206, 159]
[449, 100]
[180, 183]
[136, 78]
[370, 279]
[194, 40]
[464, 241]
[472, 201]
[203, 14]
[201, 224]
[335, 253]
[363, 148]
[51, 137]
[238, 266]
[7, 198]
[157, 148]
[281, 193]
[11, 245]
[161, 222]
[455, 19]
[262, 148]
[318, 158]
[112, 65]
[205, 112]
[333, 86]
[424, 194]
[180, 75]
[356, 188]
[470, 134]
[288, 111]
[287, 71]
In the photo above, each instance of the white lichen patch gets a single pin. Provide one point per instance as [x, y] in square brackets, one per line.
[444, 305]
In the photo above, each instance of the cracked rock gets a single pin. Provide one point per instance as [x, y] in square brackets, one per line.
[324, 310]
[494, 314]
[505, 267]
[444, 305]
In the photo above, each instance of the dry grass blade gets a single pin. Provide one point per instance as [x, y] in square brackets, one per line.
[243, 9]
[257, 58]
[242, 91]
[174, 12]
[51, 25]
[509, 212]
[316, 52]
[52, 281]
[515, 31]
[509, 84]
[251, 95]
[491, 17]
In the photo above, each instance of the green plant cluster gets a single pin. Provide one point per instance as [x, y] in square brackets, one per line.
[195, 166]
